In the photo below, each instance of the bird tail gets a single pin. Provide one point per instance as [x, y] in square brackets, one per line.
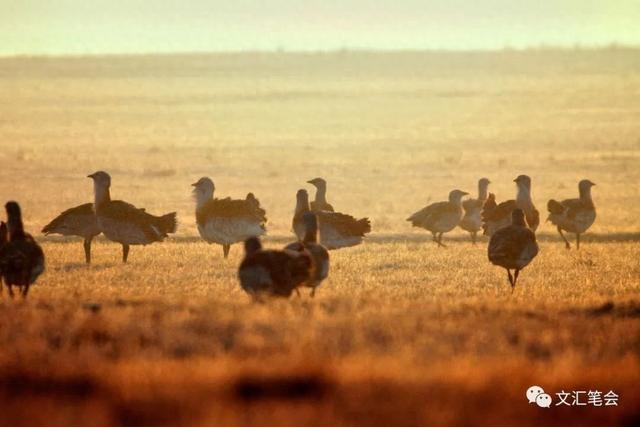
[167, 223]
[554, 207]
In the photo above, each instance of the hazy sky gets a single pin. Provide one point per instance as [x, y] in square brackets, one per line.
[118, 26]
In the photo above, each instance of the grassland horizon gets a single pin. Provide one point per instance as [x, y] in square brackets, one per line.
[402, 333]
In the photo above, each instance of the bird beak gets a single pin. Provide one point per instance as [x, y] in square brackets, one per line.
[91, 176]
[195, 184]
[310, 181]
[464, 193]
[515, 180]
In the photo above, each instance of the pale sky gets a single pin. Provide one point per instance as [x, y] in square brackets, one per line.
[135, 26]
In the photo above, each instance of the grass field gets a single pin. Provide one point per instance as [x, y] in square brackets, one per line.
[402, 333]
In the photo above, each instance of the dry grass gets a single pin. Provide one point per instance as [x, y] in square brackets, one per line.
[402, 333]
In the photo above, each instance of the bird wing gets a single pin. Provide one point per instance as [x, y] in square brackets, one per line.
[78, 219]
[575, 207]
[344, 224]
[431, 213]
[512, 242]
[499, 211]
[230, 208]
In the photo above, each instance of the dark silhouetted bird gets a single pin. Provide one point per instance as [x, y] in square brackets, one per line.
[78, 221]
[265, 272]
[472, 219]
[337, 230]
[573, 215]
[440, 217]
[494, 217]
[320, 203]
[21, 258]
[226, 221]
[513, 247]
[319, 254]
[124, 223]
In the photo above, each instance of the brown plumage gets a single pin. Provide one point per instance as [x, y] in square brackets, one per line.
[472, 219]
[123, 223]
[320, 202]
[494, 217]
[226, 221]
[337, 230]
[513, 247]
[440, 217]
[78, 221]
[272, 273]
[573, 215]
[21, 258]
[319, 254]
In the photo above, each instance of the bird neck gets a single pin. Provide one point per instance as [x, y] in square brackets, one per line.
[482, 192]
[310, 235]
[302, 206]
[524, 196]
[102, 195]
[585, 195]
[15, 227]
[321, 194]
[518, 221]
[203, 197]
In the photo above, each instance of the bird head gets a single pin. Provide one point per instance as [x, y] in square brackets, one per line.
[252, 245]
[523, 181]
[100, 179]
[585, 184]
[456, 195]
[483, 182]
[318, 182]
[203, 188]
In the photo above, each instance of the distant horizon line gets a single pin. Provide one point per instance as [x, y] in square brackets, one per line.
[533, 48]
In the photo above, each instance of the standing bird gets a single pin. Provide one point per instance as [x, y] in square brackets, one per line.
[320, 202]
[319, 254]
[123, 223]
[440, 217]
[472, 219]
[337, 230]
[4, 239]
[573, 215]
[494, 217]
[21, 258]
[78, 221]
[272, 272]
[513, 247]
[226, 221]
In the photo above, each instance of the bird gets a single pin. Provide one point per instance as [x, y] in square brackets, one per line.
[337, 230]
[124, 223]
[320, 202]
[226, 221]
[319, 254]
[4, 239]
[472, 220]
[440, 217]
[573, 215]
[496, 216]
[77, 221]
[513, 247]
[21, 258]
[274, 273]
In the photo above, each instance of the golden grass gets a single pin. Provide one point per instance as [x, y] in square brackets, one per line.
[402, 333]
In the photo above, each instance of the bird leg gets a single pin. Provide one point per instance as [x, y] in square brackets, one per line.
[25, 291]
[566, 242]
[87, 249]
[125, 253]
[225, 250]
[298, 293]
[442, 245]
[577, 240]
[510, 279]
[313, 292]
[473, 237]
[515, 277]
[435, 237]
[10, 291]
